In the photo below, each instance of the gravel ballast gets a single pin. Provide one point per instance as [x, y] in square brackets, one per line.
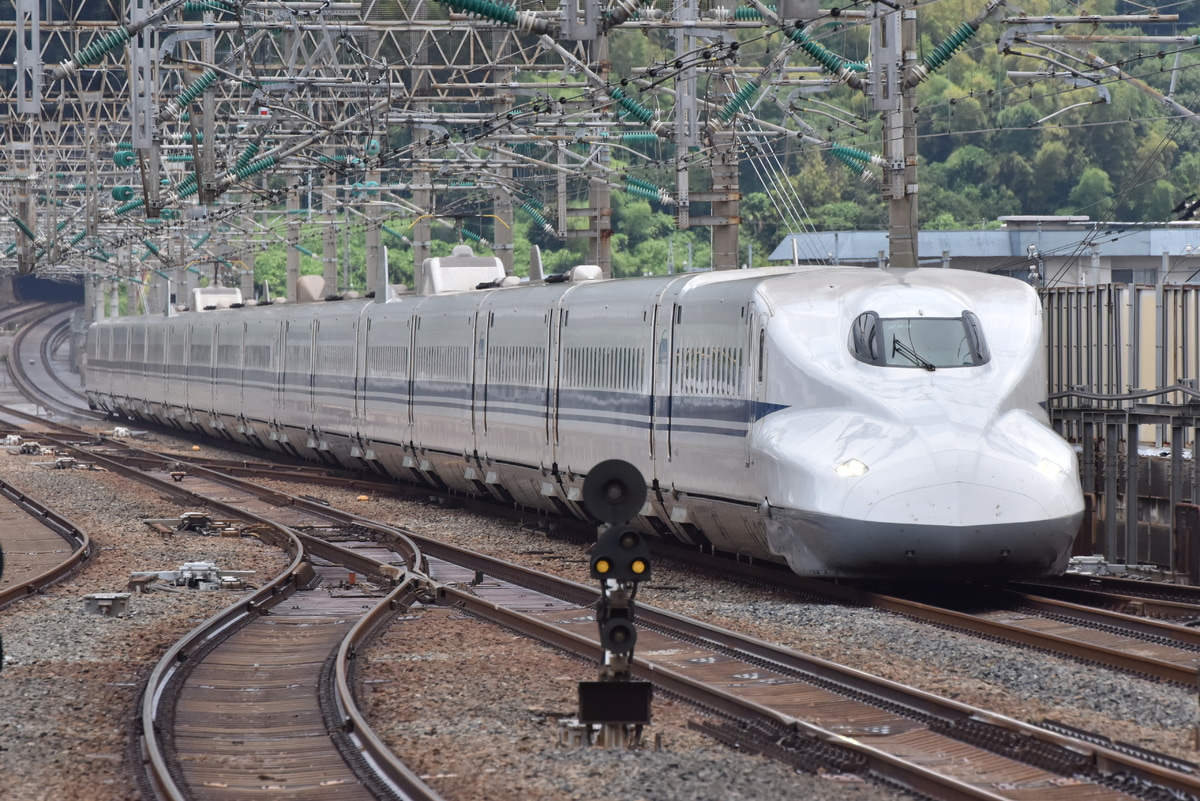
[474, 707]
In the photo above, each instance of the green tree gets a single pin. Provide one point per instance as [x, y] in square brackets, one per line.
[1093, 194]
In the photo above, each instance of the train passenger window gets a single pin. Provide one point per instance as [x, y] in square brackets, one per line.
[928, 343]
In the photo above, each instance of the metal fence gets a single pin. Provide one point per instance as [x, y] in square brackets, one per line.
[1123, 362]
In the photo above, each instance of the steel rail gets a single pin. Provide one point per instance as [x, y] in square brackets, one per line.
[84, 548]
[962, 621]
[52, 342]
[354, 723]
[1150, 627]
[26, 385]
[171, 668]
[1103, 759]
[909, 774]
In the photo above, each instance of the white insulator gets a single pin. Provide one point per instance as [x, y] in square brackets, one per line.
[170, 111]
[630, 7]
[531, 23]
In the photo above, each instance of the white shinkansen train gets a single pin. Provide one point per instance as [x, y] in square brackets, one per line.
[857, 423]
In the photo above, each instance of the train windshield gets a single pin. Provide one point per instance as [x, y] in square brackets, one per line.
[927, 343]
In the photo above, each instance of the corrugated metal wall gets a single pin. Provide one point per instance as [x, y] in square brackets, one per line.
[1114, 353]
[1115, 338]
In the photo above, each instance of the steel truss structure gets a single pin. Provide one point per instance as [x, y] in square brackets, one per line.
[149, 138]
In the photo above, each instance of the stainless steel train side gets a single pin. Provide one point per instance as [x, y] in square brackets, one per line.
[743, 397]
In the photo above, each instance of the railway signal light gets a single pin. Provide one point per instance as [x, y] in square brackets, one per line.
[618, 636]
[621, 555]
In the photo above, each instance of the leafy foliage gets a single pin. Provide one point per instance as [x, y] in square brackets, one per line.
[989, 145]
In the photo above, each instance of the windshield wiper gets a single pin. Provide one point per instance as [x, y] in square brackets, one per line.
[911, 354]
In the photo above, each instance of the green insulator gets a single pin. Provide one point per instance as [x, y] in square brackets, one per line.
[853, 152]
[124, 146]
[536, 215]
[100, 255]
[122, 193]
[152, 247]
[23, 228]
[461, 184]
[124, 158]
[401, 237]
[96, 50]
[305, 250]
[474, 237]
[125, 208]
[642, 191]
[206, 5]
[186, 138]
[739, 101]
[255, 167]
[750, 13]
[850, 160]
[643, 136]
[486, 8]
[629, 179]
[196, 88]
[941, 54]
[181, 158]
[635, 109]
[201, 240]
[822, 55]
[187, 187]
[248, 155]
[169, 214]
[11, 249]
[76, 239]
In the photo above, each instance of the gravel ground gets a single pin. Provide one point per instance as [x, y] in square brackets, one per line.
[473, 707]
[70, 681]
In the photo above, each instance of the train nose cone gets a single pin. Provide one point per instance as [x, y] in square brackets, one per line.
[956, 503]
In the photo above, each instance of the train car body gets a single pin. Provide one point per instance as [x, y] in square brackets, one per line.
[856, 423]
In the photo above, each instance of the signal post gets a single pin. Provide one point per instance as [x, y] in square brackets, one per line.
[614, 709]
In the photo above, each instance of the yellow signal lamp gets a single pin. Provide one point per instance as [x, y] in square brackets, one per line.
[602, 566]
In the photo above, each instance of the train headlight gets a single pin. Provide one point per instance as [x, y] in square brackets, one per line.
[851, 468]
[1050, 469]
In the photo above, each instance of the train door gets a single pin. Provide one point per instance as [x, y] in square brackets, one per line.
[757, 351]
[313, 334]
[556, 326]
[666, 317]
[484, 319]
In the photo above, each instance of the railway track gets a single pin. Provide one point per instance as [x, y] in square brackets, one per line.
[852, 719]
[244, 706]
[1099, 632]
[40, 547]
[1177, 602]
[31, 366]
[829, 716]
[1101, 760]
